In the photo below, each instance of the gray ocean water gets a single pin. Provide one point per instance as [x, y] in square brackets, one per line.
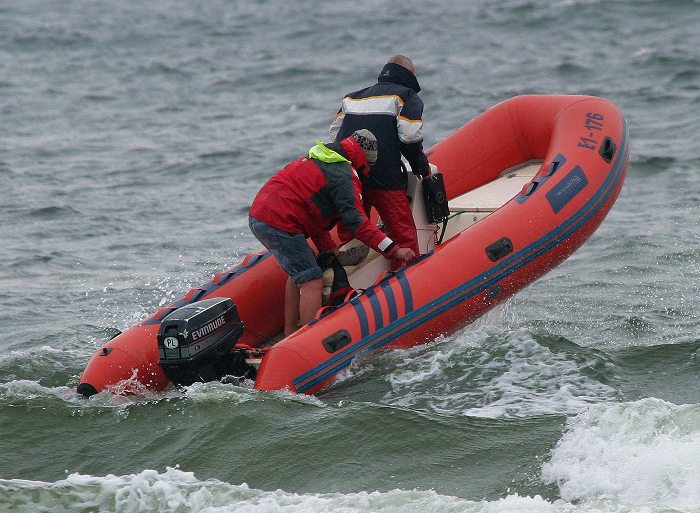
[133, 137]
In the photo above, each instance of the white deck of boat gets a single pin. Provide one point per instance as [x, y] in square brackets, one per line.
[494, 195]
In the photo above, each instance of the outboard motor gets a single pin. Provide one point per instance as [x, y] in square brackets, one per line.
[196, 343]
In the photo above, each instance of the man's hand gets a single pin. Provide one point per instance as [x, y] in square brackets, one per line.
[429, 171]
[404, 254]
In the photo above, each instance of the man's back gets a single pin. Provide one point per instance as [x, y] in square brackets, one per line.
[392, 110]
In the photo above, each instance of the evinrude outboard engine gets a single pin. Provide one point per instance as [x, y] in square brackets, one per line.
[196, 341]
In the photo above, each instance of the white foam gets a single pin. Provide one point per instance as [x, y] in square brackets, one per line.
[26, 359]
[25, 390]
[478, 374]
[175, 491]
[215, 391]
[640, 453]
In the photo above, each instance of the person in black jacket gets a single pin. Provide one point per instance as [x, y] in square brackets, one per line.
[392, 110]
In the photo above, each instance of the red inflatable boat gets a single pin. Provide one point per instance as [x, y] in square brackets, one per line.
[528, 181]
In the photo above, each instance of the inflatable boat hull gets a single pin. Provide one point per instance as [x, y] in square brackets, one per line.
[580, 149]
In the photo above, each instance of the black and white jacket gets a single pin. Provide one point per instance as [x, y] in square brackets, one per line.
[392, 110]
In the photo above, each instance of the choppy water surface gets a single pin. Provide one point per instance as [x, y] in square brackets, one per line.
[133, 137]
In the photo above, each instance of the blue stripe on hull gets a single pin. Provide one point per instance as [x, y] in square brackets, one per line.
[390, 299]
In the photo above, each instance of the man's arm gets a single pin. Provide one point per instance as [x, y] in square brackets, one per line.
[416, 158]
[409, 123]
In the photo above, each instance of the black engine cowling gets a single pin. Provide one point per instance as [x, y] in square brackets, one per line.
[196, 343]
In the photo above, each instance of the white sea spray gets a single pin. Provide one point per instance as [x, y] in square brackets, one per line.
[640, 453]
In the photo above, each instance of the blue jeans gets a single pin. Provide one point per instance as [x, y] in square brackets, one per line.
[291, 251]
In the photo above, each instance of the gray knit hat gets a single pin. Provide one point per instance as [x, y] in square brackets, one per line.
[368, 143]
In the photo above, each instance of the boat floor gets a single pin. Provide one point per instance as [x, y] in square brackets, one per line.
[473, 206]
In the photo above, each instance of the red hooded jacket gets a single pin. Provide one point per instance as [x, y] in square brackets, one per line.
[311, 195]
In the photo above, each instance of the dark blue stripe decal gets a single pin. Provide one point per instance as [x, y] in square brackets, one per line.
[362, 316]
[390, 299]
[482, 282]
[376, 308]
[567, 189]
[406, 289]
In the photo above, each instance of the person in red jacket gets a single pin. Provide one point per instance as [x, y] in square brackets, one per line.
[308, 197]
